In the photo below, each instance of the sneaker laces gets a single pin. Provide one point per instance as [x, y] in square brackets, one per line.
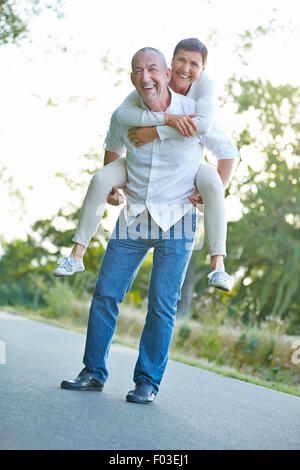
[223, 275]
[66, 263]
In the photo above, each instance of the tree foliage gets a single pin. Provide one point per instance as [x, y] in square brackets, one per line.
[16, 14]
[263, 245]
[265, 242]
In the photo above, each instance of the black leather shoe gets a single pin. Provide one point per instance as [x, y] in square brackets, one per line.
[84, 381]
[143, 393]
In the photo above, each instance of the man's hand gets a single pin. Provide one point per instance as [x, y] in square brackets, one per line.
[115, 198]
[182, 122]
[142, 135]
[196, 200]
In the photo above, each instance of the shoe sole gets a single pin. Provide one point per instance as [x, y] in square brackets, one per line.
[142, 402]
[86, 389]
[131, 400]
[226, 289]
[67, 275]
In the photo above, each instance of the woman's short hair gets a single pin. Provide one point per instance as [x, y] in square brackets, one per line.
[192, 44]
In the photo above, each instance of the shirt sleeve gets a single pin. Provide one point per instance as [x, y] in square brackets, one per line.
[220, 144]
[202, 92]
[169, 132]
[113, 141]
[129, 113]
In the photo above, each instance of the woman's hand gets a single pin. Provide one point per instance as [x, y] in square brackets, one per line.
[142, 135]
[115, 198]
[196, 200]
[182, 122]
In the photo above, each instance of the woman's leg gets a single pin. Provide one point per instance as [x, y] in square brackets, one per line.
[211, 190]
[113, 174]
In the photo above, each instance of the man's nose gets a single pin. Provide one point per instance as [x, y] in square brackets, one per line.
[145, 76]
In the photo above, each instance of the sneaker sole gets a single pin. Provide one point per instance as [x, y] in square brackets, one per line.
[220, 287]
[66, 275]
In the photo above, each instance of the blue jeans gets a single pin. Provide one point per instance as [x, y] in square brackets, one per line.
[120, 265]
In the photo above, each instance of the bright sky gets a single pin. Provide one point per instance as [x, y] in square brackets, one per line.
[63, 61]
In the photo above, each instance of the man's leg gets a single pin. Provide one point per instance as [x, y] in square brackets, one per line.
[118, 270]
[170, 262]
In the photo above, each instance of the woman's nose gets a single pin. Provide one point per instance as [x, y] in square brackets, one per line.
[185, 68]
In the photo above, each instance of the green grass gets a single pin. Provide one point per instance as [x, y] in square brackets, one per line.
[230, 352]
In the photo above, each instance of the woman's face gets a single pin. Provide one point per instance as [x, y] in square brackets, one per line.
[187, 66]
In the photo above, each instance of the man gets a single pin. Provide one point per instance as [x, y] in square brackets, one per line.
[160, 180]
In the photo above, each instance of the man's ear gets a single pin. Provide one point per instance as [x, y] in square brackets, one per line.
[203, 68]
[168, 74]
[132, 79]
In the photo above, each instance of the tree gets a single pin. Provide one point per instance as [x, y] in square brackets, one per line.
[23, 273]
[26, 265]
[265, 242]
[15, 16]
[263, 194]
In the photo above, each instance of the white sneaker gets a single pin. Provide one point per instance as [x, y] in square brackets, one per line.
[68, 266]
[221, 280]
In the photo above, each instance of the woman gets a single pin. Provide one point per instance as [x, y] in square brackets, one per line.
[188, 65]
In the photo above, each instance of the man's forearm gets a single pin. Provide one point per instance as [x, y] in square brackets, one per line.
[225, 169]
[110, 157]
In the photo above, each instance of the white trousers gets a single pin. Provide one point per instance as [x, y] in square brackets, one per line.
[208, 183]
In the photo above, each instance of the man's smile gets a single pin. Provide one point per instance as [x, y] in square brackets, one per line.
[150, 76]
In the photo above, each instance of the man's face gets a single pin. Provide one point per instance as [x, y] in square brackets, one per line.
[187, 66]
[150, 77]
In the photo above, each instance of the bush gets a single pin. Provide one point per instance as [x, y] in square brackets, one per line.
[63, 301]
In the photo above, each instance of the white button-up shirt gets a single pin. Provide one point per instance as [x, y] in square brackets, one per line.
[161, 174]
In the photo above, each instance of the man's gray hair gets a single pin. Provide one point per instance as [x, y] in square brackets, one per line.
[145, 49]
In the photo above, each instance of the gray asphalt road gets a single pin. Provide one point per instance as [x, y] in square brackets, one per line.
[195, 409]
